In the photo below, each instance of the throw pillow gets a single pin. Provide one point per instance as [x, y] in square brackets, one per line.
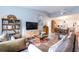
[3, 37]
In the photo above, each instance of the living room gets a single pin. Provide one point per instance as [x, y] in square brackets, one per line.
[41, 29]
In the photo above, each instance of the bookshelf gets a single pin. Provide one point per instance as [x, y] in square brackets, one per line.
[11, 27]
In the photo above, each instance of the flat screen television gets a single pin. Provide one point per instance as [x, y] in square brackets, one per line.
[31, 25]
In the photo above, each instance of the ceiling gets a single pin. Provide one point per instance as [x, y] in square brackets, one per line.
[48, 9]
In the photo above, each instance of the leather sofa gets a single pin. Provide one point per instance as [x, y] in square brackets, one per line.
[16, 45]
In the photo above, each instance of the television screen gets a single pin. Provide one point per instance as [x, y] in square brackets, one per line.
[31, 25]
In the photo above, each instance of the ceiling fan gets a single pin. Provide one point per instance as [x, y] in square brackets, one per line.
[64, 12]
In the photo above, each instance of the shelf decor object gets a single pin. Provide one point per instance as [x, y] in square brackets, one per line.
[11, 25]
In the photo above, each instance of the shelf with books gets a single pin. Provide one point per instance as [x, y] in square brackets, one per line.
[10, 26]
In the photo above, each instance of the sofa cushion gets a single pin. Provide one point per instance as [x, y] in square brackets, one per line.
[3, 37]
[13, 45]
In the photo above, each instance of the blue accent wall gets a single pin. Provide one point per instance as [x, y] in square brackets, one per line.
[24, 14]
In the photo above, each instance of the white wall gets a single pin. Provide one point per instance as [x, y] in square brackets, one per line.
[67, 11]
[23, 14]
